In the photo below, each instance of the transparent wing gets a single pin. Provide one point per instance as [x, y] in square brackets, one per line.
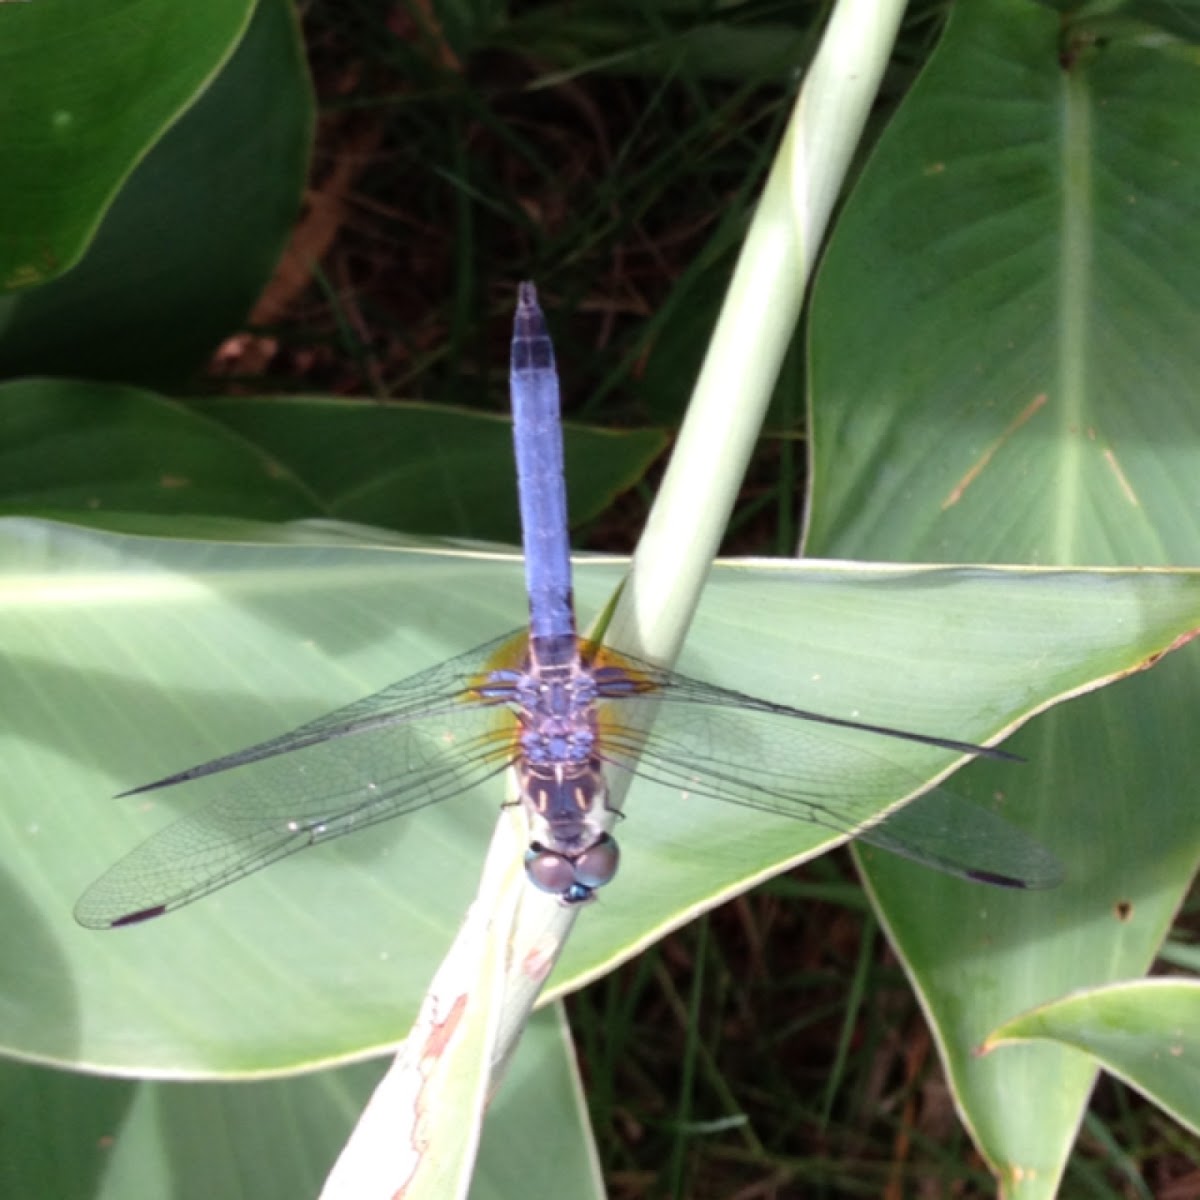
[419, 741]
[834, 773]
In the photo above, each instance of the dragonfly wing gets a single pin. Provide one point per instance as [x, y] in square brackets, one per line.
[438, 690]
[299, 789]
[709, 741]
[945, 831]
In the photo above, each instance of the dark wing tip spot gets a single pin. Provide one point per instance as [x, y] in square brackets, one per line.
[134, 918]
[1050, 876]
[997, 880]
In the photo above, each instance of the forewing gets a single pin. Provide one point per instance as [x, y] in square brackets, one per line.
[419, 741]
[428, 694]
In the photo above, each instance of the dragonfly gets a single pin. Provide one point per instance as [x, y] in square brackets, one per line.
[567, 715]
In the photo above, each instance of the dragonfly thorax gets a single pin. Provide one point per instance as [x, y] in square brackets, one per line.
[556, 714]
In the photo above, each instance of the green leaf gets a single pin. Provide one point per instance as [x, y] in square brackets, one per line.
[101, 448]
[194, 232]
[127, 657]
[107, 450]
[1005, 369]
[78, 1137]
[427, 469]
[83, 102]
[1146, 1032]
[537, 1133]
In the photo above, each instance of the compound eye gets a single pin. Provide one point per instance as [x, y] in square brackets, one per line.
[548, 871]
[595, 866]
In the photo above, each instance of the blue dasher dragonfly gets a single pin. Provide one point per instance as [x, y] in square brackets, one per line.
[565, 714]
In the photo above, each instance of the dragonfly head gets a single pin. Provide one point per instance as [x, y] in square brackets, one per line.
[573, 878]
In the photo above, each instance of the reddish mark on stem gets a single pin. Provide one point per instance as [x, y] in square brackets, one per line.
[538, 961]
[437, 1036]
[442, 1031]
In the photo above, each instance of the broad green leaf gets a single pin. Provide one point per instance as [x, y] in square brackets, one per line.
[126, 657]
[79, 1137]
[194, 232]
[426, 469]
[537, 1132]
[83, 102]
[1146, 1032]
[1005, 369]
[103, 448]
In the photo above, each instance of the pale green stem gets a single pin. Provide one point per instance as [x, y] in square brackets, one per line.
[760, 313]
